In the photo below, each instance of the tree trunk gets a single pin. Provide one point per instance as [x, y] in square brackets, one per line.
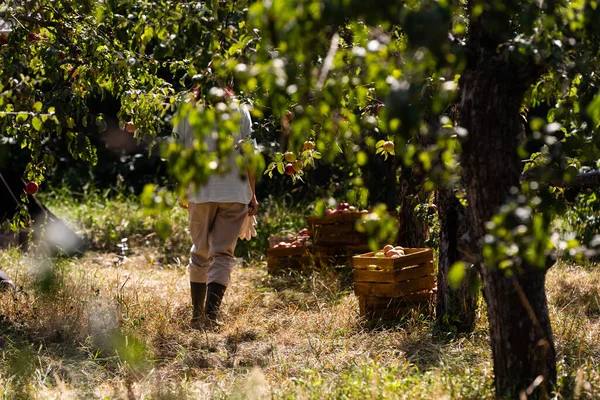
[455, 308]
[412, 231]
[520, 332]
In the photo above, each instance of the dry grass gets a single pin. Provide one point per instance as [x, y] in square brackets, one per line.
[100, 327]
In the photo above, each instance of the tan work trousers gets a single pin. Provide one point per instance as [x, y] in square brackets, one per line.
[215, 228]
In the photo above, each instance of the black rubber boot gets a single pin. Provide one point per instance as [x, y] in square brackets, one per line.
[213, 300]
[198, 291]
[6, 283]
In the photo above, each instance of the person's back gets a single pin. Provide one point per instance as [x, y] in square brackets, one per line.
[217, 212]
[230, 186]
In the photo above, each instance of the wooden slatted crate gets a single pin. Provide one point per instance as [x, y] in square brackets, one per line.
[392, 308]
[388, 288]
[335, 238]
[15, 239]
[336, 230]
[290, 258]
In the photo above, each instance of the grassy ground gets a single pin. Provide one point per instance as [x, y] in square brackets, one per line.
[113, 325]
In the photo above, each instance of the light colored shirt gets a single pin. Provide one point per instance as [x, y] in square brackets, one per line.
[232, 186]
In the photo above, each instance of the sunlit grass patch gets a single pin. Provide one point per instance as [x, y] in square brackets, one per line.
[115, 325]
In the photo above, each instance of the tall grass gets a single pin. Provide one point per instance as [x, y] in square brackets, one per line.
[102, 326]
[120, 330]
[118, 223]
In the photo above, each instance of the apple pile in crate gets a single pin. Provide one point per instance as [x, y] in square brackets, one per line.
[294, 254]
[335, 237]
[301, 239]
[389, 251]
[394, 280]
[343, 208]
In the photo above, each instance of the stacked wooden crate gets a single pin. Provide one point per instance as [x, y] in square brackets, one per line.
[15, 239]
[288, 258]
[388, 288]
[335, 238]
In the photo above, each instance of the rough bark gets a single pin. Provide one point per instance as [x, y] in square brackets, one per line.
[586, 180]
[455, 308]
[412, 231]
[520, 332]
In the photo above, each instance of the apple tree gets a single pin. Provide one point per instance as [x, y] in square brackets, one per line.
[520, 75]
[523, 75]
[60, 57]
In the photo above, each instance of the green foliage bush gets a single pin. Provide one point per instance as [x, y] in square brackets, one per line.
[584, 216]
[113, 221]
[117, 222]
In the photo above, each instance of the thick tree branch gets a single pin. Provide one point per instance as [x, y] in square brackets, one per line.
[585, 180]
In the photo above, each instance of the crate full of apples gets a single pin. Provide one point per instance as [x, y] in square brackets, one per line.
[391, 281]
[291, 254]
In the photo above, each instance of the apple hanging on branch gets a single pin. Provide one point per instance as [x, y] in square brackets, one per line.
[31, 187]
[130, 127]
[33, 37]
[289, 156]
[385, 147]
[289, 169]
[292, 164]
[297, 165]
[308, 145]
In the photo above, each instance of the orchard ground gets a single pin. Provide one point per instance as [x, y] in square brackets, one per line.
[113, 323]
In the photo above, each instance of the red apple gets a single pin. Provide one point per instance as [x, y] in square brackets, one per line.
[308, 145]
[32, 37]
[388, 146]
[3, 39]
[329, 212]
[61, 55]
[342, 206]
[130, 127]
[392, 252]
[31, 187]
[379, 108]
[289, 169]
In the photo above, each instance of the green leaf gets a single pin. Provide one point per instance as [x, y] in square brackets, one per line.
[37, 107]
[362, 158]
[593, 110]
[22, 117]
[457, 273]
[37, 124]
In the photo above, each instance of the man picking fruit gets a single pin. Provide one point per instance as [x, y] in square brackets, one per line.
[217, 212]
